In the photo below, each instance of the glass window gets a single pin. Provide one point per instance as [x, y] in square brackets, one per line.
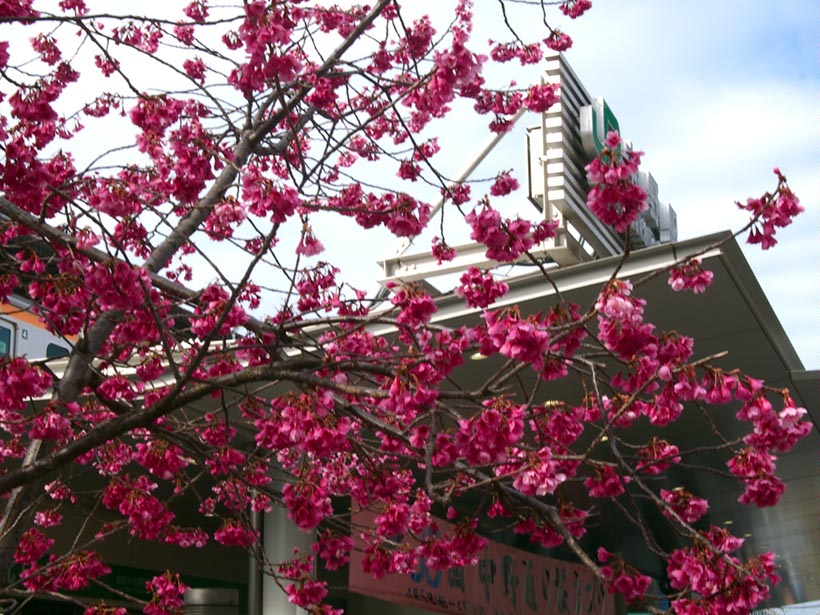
[54, 350]
[5, 342]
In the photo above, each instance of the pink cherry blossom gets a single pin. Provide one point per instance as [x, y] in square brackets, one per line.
[480, 289]
[686, 505]
[575, 8]
[214, 357]
[166, 594]
[614, 198]
[690, 276]
[558, 41]
[605, 483]
[770, 212]
[504, 184]
[234, 534]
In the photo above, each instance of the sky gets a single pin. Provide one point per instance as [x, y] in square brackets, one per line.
[716, 94]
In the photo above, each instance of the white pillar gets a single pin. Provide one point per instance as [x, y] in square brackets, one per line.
[280, 537]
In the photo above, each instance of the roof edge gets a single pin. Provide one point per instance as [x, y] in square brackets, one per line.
[722, 245]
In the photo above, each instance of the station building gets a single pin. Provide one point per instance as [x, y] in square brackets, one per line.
[515, 578]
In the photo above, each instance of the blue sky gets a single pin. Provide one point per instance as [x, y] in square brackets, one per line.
[716, 94]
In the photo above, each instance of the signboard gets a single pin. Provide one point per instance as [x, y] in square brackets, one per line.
[505, 581]
[597, 120]
[570, 134]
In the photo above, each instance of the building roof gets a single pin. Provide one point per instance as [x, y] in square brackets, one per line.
[732, 316]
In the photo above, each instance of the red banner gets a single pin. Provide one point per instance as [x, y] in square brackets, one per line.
[505, 581]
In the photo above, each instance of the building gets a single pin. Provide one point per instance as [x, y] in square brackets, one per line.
[734, 316]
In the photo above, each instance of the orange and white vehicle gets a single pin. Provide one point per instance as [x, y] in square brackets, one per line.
[23, 334]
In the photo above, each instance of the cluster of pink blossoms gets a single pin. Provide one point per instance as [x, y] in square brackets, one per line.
[620, 317]
[51, 425]
[547, 344]
[541, 473]
[235, 534]
[690, 276]
[614, 198]
[558, 41]
[506, 240]
[771, 212]
[317, 288]
[160, 458]
[776, 431]
[487, 437]
[118, 286]
[575, 8]
[606, 483]
[148, 517]
[462, 547]
[19, 382]
[708, 570]
[70, 573]
[400, 213]
[515, 337]
[308, 433]
[480, 289]
[333, 549]
[624, 579]
[266, 198]
[542, 533]
[756, 468]
[442, 251]
[166, 594]
[309, 245]
[213, 309]
[773, 431]
[64, 302]
[526, 54]
[304, 423]
[308, 592]
[416, 306]
[460, 193]
[264, 33]
[559, 425]
[684, 504]
[504, 184]
[657, 456]
[308, 504]
[227, 215]
[32, 546]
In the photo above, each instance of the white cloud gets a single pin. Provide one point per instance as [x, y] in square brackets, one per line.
[717, 94]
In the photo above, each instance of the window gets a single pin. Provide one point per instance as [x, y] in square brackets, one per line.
[5, 342]
[55, 350]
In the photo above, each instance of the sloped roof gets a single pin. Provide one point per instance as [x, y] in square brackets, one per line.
[733, 316]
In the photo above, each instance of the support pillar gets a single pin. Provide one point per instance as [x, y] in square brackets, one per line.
[280, 537]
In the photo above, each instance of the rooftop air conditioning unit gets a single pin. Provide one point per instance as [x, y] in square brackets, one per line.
[640, 235]
[668, 223]
[651, 216]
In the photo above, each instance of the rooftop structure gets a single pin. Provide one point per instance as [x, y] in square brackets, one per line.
[569, 135]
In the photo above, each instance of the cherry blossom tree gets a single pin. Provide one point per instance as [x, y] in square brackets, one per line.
[159, 181]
